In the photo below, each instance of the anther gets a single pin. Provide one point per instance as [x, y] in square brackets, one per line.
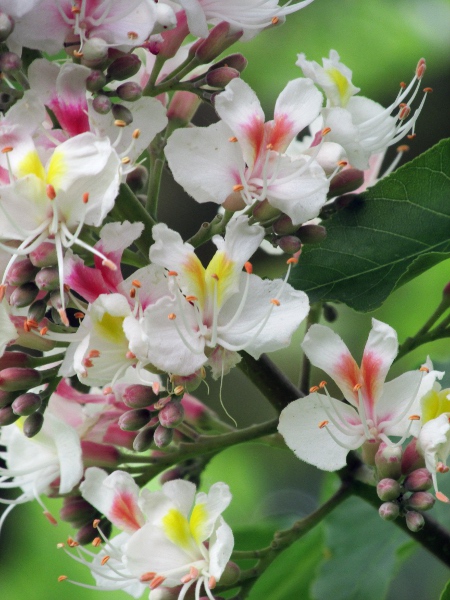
[78, 54]
[442, 497]
[404, 112]
[7, 149]
[275, 302]
[421, 68]
[60, 545]
[136, 134]
[136, 283]
[186, 578]
[109, 264]
[96, 542]
[313, 389]
[231, 139]
[411, 136]
[43, 331]
[191, 298]
[130, 355]
[157, 581]
[95, 523]
[212, 580]
[238, 188]
[323, 424]
[50, 191]
[62, 578]
[357, 387]
[2, 292]
[274, 20]
[292, 261]
[107, 390]
[179, 390]
[326, 131]
[269, 147]
[120, 123]
[87, 362]
[85, 197]
[414, 417]
[147, 577]
[94, 353]
[194, 572]
[403, 148]
[342, 163]
[32, 324]
[402, 85]
[125, 160]
[79, 315]
[428, 90]
[322, 384]
[132, 35]
[172, 316]
[76, 9]
[424, 369]
[172, 274]
[215, 276]
[72, 543]
[133, 292]
[441, 468]
[248, 267]
[50, 518]
[104, 560]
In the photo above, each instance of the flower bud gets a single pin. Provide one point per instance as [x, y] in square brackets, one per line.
[102, 104]
[44, 255]
[33, 424]
[14, 379]
[414, 521]
[312, 234]
[346, 181]
[100, 455]
[143, 440]
[163, 593]
[388, 489]
[10, 62]
[94, 50]
[234, 61]
[263, 211]
[77, 511]
[22, 271]
[129, 91]
[56, 301]
[88, 532]
[124, 67]
[284, 226]
[95, 81]
[218, 40]
[47, 279]
[6, 398]
[7, 416]
[421, 501]
[388, 460]
[133, 420]
[412, 459]
[419, 480]
[219, 78]
[171, 40]
[189, 382]
[162, 436]
[172, 414]
[138, 396]
[6, 26]
[230, 574]
[122, 113]
[37, 310]
[26, 404]
[389, 511]
[137, 179]
[182, 108]
[24, 295]
[15, 359]
[289, 244]
[330, 313]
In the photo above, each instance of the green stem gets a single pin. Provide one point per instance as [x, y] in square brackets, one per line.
[208, 230]
[158, 65]
[313, 317]
[157, 162]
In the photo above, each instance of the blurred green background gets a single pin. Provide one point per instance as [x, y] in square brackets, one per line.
[381, 41]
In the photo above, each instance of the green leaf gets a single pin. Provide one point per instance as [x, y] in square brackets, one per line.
[445, 592]
[397, 230]
[364, 554]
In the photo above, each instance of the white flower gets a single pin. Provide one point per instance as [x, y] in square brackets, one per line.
[321, 430]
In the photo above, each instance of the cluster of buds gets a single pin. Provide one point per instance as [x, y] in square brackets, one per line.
[81, 515]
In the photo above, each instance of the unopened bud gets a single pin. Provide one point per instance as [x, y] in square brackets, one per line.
[95, 81]
[7, 416]
[230, 574]
[163, 593]
[143, 440]
[94, 50]
[44, 255]
[330, 313]
[412, 459]
[129, 91]
[219, 78]
[234, 61]
[284, 226]
[171, 475]
[102, 104]
[47, 279]
[419, 480]
[172, 414]
[6, 26]
[122, 113]
[171, 40]
[138, 396]
[263, 211]
[24, 295]
[26, 404]
[446, 293]
[414, 521]
[124, 67]
[289, 244]
[6, 398]
[33, 424]
[162, 436]
[88, 532]
[312, 234]
[137, 179]
[347, 180]
[15, 359]
[10, 62]
[56, 300]
[21, 272]
[189, 382]
[219, 39]
[37, 310]
[388, 461]
[421, 501]
[388, 489]
[183, 107]
[14, 379]
[77, 511]
[389, 511]
[133, 420]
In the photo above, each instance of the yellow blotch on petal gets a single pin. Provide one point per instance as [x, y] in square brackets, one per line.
[342, 84]
[111, 328]
[31, 165]
[224, 272]
[435, 404]
[57, 169]
[198, 521]
[194, 271]
[176, 528]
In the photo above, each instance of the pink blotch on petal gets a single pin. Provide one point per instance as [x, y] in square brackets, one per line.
[370, 370]
[346, 369]
[254, 132]
[281, 133]
[125, 511]
[71, 116]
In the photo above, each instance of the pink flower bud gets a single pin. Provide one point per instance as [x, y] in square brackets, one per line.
[96, 81]
[124, 67]
[143, 440]
[47, 279]
[26, 404]
[172, 414]
[77, 511]
[95, 50]
[44, 255]
[137, 179]
[122, 113]
[6, 26]
[7, 416]
[172, 40]
[133, 420]
[6, 398]
[14, 379]
[388, 489]
[24, 295]
[289, 244]
[183, 107]
[33, 424]
[15, 359]
[196, 413]
[10, 62]
[414, 521]
[412, 459]
[129, 91]
[138, 396]
[389, 511]
[421, 501]
[37, 310]
[346, 181]
[102, 104]
[99, 455]
[22, 271]
[312, 234]
[419, 480]
[218, 40]
[162, 436]
[263, 211]
[234, 61]
[230, 574]
[219, 78]
[388, 460]
[284, 226]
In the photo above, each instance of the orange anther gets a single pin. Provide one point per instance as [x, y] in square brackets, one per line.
[7, 149]
[403, 148]
[404, 112]
[402, 85]
[132, 35]
[26, 327]
[411, 136]
[274, 20]
[94, 353]
[342, 163]
[172, 316]
[107, 390]
[147, 577]
[442, 497]
[269, 147]
[231, 139]
[62, 578]
[136, 134]
[414, 417]
[32, 324]
[76, 9]
[87, 362]
[120, 123]
[50, 518]
[238, 188]
[136, 283]
[95, 523]
[43, 331]
[292, 261]
[133, 292]
[104, 560]
[275, 302]
[96, 542]
[130, 355]
[326, 131]
[313, 389]
[85, 197]
[172, 274]
[428, 90]
[322, 384]
[78, 54]
[157, 581]
[72, 543]
[79, 315]
[191, 298]
[248, 267]
[212, 580]
[215, 276]
[50, 191]
[424, 369]
[421, 68]
[357, 387]
[323, 424]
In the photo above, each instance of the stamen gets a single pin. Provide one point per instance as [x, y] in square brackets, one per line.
[104, 560]
[136, 283]
[231, 139]
[132, 35]
[50, 518]
[442, 497]
[275, 20]
[323, 424]
[120, 123]
[50, 192]
[248, 267]
[85, 197]
[96, 542]
[157, 581]
[314, 389]
[275, 302]
[62, 578]
[238, 188]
